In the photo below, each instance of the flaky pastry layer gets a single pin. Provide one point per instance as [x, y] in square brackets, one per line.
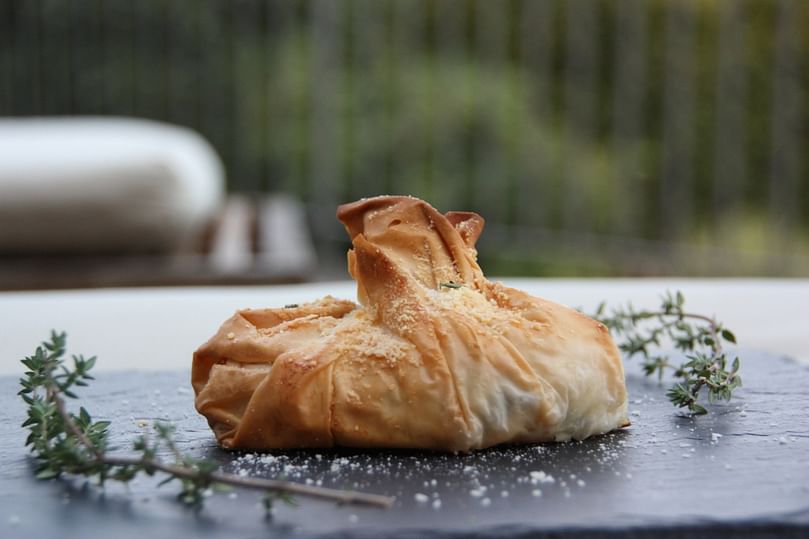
[434, 356]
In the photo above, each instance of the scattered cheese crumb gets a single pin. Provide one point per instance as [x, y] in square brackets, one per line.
[541, 477]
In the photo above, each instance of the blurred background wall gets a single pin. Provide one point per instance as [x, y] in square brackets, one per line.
[632, 137]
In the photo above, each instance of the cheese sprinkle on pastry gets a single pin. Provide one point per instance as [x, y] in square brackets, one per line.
[434, 356]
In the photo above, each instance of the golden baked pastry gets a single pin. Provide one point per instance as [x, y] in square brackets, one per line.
[435, 356]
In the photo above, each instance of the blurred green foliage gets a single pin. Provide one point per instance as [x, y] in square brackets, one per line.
[470, 104]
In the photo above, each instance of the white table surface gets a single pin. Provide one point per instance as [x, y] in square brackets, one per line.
[159, 328]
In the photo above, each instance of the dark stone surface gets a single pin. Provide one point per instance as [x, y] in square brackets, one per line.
[666, 476]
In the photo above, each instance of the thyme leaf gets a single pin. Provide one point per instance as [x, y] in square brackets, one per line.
[450, 284]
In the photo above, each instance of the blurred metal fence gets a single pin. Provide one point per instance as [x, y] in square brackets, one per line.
[611, 137]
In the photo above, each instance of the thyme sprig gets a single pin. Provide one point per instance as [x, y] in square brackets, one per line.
[700, 337]
[66, 443]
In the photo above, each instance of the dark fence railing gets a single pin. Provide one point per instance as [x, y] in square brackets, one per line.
[595, 136]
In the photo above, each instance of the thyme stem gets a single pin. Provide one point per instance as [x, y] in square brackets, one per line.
[52, 395]
[288, 487]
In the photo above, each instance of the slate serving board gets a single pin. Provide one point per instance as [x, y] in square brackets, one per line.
[742, 471]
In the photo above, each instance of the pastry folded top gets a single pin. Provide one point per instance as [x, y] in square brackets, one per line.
[434, 356]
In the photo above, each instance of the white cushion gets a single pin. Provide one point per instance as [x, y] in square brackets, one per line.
[99, 185]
